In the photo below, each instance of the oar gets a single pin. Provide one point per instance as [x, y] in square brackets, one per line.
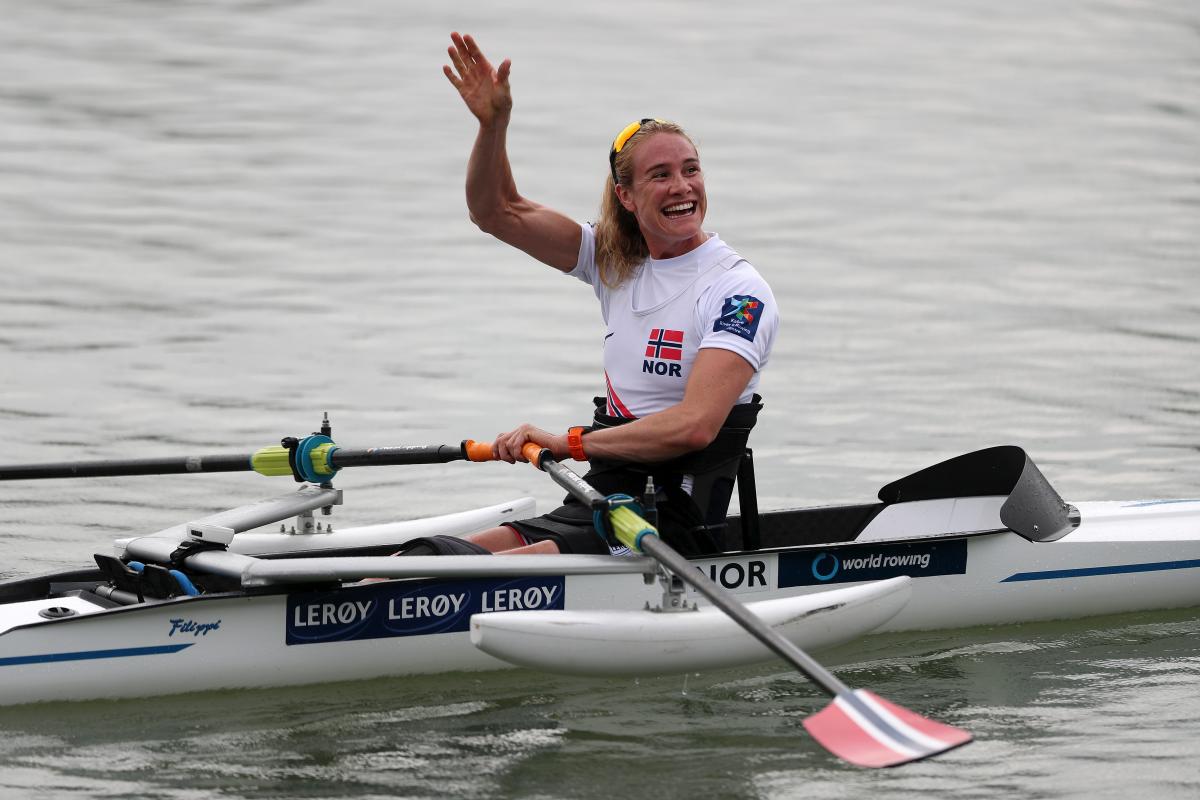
[858, 726]
[314, 458]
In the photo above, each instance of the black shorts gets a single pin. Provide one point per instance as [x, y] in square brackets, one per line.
[571, 527]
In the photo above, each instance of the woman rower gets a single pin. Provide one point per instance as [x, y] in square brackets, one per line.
[690, 325]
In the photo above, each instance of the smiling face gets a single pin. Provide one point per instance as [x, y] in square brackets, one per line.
[666, 194]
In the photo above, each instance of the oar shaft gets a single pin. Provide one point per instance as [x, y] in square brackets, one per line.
[569, 479]
[393, 456]
[140, 466]
[468, 450]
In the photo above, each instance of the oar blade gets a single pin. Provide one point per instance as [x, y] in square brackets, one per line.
[868, 731]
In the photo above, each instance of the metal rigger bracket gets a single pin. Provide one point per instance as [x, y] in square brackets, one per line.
[218, 531]
[675, 592]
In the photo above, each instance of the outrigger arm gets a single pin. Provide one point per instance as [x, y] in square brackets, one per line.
[220, 528]
[213, 534]
[254, 572]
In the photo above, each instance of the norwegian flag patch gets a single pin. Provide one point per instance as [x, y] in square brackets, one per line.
[740, 316]
[665, 344]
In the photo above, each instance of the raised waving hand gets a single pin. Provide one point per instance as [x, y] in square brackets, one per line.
[483, 88]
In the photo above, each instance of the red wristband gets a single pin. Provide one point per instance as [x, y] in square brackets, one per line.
[575, 443]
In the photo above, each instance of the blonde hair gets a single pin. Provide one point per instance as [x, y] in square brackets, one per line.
[620, 246]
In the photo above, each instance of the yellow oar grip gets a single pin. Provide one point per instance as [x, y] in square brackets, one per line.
[319, 456]
[629, 528]
[273, 461]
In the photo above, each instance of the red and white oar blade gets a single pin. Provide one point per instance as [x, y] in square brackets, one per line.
[868, 731]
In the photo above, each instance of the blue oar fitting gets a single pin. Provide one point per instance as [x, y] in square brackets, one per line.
[600, 515]
[323, 470]
[308, 460]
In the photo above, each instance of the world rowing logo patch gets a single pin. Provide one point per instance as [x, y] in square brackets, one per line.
[871, 563]
[740, 315]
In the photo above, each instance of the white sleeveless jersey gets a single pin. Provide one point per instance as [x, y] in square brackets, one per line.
[667, 312]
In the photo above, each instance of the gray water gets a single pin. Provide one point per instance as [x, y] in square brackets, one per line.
[220, 219]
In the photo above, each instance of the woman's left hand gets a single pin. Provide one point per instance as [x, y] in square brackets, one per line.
[507, 446]
[483, 88]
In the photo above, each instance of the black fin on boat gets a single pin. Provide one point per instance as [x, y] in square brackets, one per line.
[1032, 509]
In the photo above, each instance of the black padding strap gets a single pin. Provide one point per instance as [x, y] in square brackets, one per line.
[190, 548]
[292, 445]
[442, 546]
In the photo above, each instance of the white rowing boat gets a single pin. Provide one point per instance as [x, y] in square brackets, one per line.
[219, 602]
[288, 608]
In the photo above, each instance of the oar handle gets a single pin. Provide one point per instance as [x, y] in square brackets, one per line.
[478, 451]
[534, 452]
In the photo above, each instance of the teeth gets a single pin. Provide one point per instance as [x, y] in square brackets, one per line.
[680, 207]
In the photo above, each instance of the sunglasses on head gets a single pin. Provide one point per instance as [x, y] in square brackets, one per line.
[622, 139]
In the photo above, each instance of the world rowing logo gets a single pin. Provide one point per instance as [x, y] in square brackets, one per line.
[825, 566]
[740, 316]
[855, 563]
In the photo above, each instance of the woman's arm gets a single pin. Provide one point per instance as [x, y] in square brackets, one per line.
[718, 378]
[492, 197]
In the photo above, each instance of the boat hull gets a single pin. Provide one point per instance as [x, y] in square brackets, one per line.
[392, 628]
[1121, 557]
